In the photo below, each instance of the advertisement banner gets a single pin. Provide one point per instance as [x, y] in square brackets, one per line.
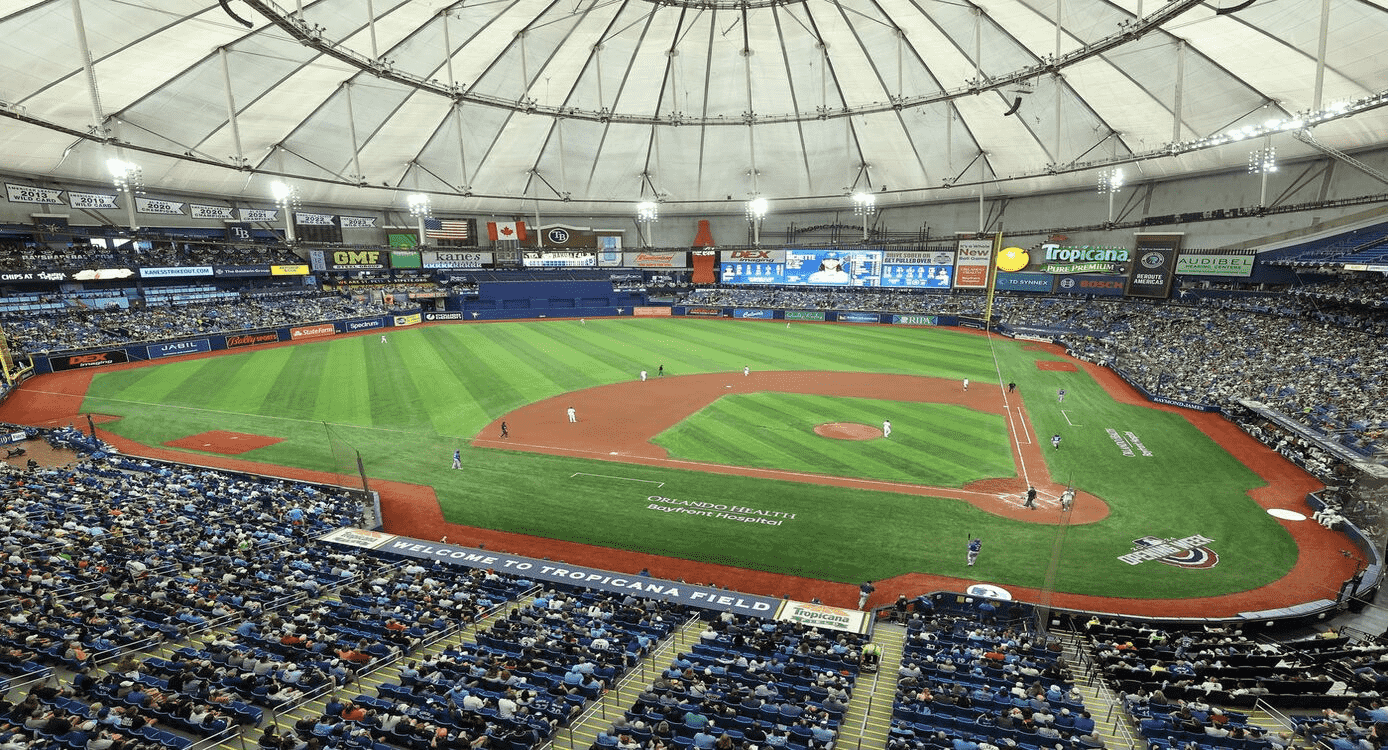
[299, 333]
[651, 259]
[859, 317]
[752, 273]
[432, 316]
[1155, 265]
[168, 272]
[1040, 283]
[33, 276]
[1238, 263]
[26, 194]
[443, 259]
[922, 258]
[350, 326]
[753, 313]
[354, 260]
[710, 312]
[174, 349]
[558, 259]
[237, 340]
[752, 256]
[823, 616]
[404, 259]
[974, 259]
[1106, 285]
[817, 315]
[408, 320]
[87, 359]
[155, 206]
[650, 312]
[358, 222]
[260, 270]
[609, 258]
[916, 320]
[258, 214]
[102, 274]
[199, 211]
[833, 267]
[297, 269]
[1064, 259]
[91, 200]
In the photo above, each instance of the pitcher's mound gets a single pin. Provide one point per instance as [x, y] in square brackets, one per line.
[847, 431]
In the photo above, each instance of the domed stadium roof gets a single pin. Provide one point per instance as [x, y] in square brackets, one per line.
[608, 102]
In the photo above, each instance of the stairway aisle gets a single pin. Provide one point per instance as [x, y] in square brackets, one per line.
[1112, 723]
[869, 714]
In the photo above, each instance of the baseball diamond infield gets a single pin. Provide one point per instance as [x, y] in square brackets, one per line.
[621, 418]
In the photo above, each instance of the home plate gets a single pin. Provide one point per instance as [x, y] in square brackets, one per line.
[727, 386]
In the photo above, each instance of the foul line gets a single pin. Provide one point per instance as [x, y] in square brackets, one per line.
[1067, 419]
[625, 479]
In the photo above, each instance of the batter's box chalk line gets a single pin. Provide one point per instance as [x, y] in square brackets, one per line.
[624, 479]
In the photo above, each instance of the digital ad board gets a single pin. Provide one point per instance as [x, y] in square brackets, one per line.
[833, 267]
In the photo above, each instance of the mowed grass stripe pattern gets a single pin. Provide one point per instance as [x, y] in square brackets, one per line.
[407, 404]
[941, 445]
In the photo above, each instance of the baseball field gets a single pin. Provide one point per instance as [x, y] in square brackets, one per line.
[754, 471]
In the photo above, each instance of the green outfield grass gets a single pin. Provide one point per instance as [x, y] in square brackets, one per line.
[407, 404]
[776, 431]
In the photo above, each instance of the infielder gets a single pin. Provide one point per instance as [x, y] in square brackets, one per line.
[643, 376]
[457, 459]
[1060, 396]
[966, 384]
[573, 414]
[746, 370]
[1055, 441]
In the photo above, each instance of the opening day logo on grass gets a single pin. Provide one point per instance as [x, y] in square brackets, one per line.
[1127, 442]
[717, 510]
[1187, 552]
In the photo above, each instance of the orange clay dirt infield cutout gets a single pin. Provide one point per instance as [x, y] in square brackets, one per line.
[847, 431]
[223, 442]
[1047, 364]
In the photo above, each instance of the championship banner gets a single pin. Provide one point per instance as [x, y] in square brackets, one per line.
[1231, 263]
[174, 349]
[650, 259]
[558, 259]
[1155, 266]
[91, 200]
[173, 271]
[26, 194]
[88, 359]
[313, 220]
[199, 211]
[311, 332]
[358, 222]
[650, 312]
[155, 206]
[258, 214]
[297, 269]
[404, 259]
[237, 340]
[444, 259]
[823, 616]
[974, 259]
[408, 320]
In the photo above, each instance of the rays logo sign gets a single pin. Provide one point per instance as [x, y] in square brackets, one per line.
[1187, 552]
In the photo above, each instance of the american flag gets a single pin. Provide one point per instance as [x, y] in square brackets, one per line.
[445, 230]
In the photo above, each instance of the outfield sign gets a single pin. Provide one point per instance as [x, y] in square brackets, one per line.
[311, 332]
[916, 320]
[87, 359]
[1099, 285]
[408, 320]
[350, 326]
[1024, 282]
[859, 317]
[548, 571]
[237, 340]
[650, 312]
[804, 315]
[753, 313]
[176, 348]
[432, 316]
[1216, 264]
[712, 312]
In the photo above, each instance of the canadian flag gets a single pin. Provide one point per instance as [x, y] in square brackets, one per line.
[506, 230]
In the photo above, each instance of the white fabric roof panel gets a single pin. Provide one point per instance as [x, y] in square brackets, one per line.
[539, 80]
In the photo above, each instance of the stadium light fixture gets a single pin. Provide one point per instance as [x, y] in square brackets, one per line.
[1263, 162]
[420, 209]
[648, 213]
[287, 198]
[128, 179]
[756, 211]
[1110, 184]
[864, 205]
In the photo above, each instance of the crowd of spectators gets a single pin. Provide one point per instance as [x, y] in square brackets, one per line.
[114, 253]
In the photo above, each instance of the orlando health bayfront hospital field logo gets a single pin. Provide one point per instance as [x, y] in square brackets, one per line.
[1187, 552]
